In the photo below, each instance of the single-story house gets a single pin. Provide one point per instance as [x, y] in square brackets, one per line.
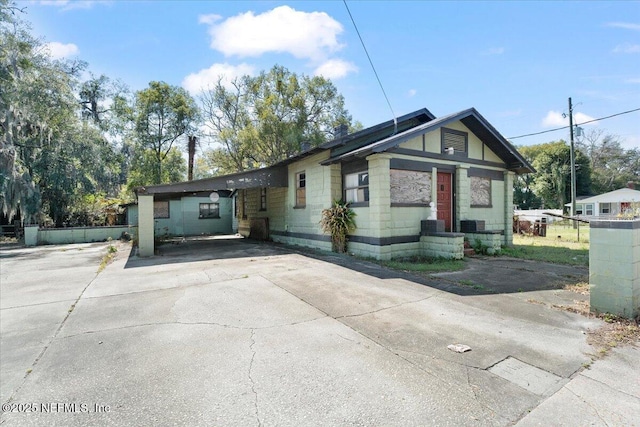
[418, 185]
[189, 214]
[623, 201]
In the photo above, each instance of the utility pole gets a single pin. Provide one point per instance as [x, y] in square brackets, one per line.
[573, 165]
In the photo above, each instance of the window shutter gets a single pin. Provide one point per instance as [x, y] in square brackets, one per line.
[455, 140]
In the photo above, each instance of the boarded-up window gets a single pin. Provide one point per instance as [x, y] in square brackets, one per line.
[480, 192]
[454, 139]
[410, 187]
[161, 209]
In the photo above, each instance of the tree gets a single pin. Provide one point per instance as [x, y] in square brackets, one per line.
[161, 115]
[98, 97]
[552, 181]
[144, 165]
[49, 158]
[524, 196]
[612, 166]
[258, 121]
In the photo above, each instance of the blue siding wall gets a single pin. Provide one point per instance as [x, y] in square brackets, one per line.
[184, 218]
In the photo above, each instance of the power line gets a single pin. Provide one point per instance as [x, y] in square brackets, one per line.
[577, 124]
[395, 121]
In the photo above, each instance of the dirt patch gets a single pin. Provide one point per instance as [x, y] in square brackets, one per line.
[616, 331]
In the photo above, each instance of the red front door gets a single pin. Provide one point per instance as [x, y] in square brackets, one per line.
[445, 199]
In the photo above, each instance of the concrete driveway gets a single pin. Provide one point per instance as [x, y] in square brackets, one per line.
[229, 332]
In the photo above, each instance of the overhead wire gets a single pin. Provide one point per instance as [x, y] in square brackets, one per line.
[575, 124]
[395, 120]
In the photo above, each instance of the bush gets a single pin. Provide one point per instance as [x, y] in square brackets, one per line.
[338, 221]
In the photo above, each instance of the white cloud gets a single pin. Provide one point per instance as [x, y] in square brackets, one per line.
[208, 77]
[59, 50]
[335, 69]
[76, 4]
[209, 19]
[493, 51]
[633, 81]
[624, 25]
[627, 48]
[555, 119]
[284, 30]
[412, 93]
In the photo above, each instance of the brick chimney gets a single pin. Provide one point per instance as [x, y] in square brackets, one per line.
[340, 131]
[631, 185]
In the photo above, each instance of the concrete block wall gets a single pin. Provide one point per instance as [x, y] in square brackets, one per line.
[406, 220]
[614, 267]
[386, 252]
[61, 236]
[449, 246]
[379, 196]
[276, 208]
[493, 216]
[318, 195]
[493, 242]
[462, 195]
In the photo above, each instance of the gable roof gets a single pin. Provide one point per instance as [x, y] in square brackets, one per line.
[471, 118]
[615, 196]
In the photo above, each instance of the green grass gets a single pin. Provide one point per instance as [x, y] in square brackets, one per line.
[424, 265]
[560, 246]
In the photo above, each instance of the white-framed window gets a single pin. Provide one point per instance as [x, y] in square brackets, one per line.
[209, 210]
[301, 189]
[161, 209]
[588, 209]
[356, 187]
[579, 209]
[605, 208]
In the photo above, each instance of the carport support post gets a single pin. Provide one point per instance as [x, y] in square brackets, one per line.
[145, 225]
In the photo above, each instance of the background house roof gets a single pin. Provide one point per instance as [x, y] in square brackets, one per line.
[615, 196]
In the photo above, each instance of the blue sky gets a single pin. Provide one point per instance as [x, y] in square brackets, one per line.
[515, 62]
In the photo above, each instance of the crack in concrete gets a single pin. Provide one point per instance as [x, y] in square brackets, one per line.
[221, 325]
[588, 404]
[53, 337]
[253, 383]
[36, 304]
[607, 385]
[383, 308]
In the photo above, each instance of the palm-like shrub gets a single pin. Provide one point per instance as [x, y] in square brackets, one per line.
[338, 221]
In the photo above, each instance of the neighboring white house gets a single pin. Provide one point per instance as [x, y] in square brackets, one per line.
[611, 204]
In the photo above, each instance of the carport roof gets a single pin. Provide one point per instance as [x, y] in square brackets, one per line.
[275, 176]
